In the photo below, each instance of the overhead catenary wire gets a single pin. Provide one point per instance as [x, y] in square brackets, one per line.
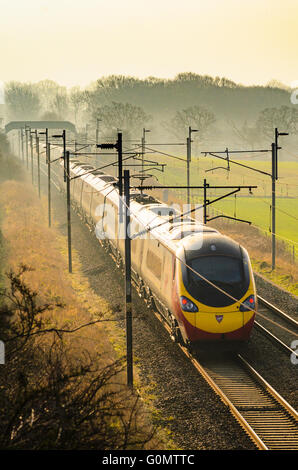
[204, 278]
[280, 210]
[149, 230]
[262, 228]
[166, 154]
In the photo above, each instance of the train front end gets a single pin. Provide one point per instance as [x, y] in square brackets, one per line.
[215, 296]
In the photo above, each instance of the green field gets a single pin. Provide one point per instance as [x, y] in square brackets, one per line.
[257, 211]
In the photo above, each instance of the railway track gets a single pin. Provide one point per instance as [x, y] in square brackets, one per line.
[267, 306]
[276, 325]
[265, 416]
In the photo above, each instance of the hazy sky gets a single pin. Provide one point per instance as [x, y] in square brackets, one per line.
[76, 41]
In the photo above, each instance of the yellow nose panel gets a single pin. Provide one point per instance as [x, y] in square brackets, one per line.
[219, 322]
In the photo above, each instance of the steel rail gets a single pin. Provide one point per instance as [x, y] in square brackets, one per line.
[277, 310]
[270, 308]
[226, 400]
[284, 347]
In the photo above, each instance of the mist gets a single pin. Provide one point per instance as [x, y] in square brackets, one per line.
[225, 113]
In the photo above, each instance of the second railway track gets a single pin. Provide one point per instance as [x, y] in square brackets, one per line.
[279, 327]
[269, 420]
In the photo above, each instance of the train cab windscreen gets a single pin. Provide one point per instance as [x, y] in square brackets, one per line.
[229, 274]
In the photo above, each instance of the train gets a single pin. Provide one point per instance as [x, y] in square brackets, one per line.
[200, 281]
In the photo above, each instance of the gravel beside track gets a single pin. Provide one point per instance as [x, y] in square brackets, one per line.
[279, 297]
[274, 365]
[187, 406]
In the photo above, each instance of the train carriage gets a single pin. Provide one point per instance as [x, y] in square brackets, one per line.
[199, 280]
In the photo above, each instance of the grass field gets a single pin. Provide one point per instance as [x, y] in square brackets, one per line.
[287, 184]
[257, 211]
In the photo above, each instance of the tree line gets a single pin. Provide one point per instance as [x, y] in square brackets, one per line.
[221, 109]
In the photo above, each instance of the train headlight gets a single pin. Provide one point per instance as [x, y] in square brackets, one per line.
[248, 304]
[187, 305]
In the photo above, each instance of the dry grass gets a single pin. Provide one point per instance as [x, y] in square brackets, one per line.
[31, 242]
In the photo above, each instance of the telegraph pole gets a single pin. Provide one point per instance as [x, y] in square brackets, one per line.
[48, 162]
[188, 160]
[68, 212]
[97, 130]
[63, 136]
[38, 164]
[128, 303]
[205, 201]
[143, 146]
[22, 144]
[48, 157]
[273, 175]
[274, 148]
[277, 134]
[27, 143]
[64, 152]
[31, 150]
[118, 147]
[273, 207]
[119, 150]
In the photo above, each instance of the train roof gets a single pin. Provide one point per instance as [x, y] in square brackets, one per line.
[212, 244]
[166, 223]
[187, 230]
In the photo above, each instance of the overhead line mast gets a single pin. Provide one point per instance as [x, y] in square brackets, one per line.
[273, 175]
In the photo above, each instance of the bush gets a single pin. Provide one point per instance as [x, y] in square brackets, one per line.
[52, 395]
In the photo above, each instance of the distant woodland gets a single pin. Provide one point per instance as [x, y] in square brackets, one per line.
[224, 112]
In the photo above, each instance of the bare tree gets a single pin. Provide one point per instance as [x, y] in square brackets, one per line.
[60, 104]
[22, 100]
[78, 101]
[249, 135]
[284, 118]
[125, 116]
[4, 144]
[195, 116]
[47, 90]
[54, 395]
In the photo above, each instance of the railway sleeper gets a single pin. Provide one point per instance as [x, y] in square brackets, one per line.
[257, 408]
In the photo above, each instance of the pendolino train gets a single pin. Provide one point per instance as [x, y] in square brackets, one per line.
[199, 280]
